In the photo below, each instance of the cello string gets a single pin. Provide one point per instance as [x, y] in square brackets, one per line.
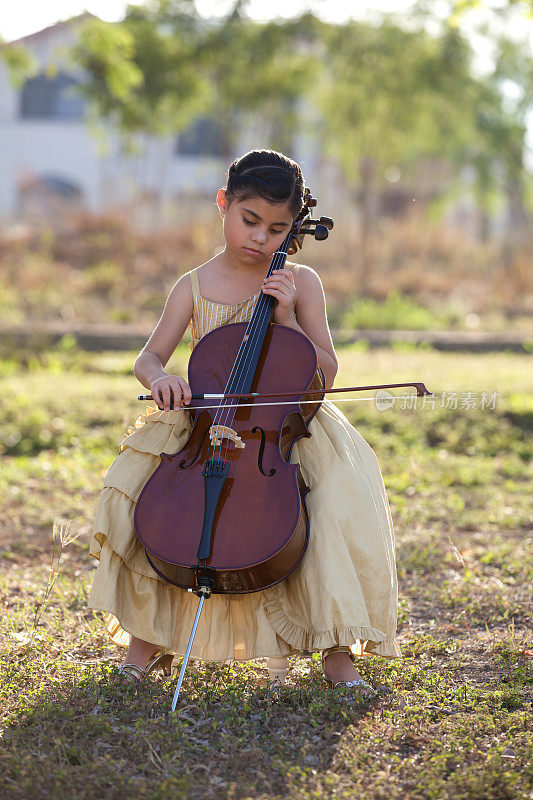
[277, 262]
[220, 416]
[249, 332]
[259, 317]
[224, 415]
[263, 311]
[279, 256]
[224, 412]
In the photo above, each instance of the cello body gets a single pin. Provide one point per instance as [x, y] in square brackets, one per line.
[259, 525]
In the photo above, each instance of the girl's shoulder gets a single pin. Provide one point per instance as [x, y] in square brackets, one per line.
[302, 271]
[306, 279]
[201, 273]
[199, 270]
[205, 280]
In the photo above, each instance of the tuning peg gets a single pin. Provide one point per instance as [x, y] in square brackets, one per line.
[321, 232]
[309, 200]
[327, 221]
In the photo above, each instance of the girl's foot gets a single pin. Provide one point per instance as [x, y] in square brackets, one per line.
[140, 653]
[278, 667]
[339, 670]
[143, 658]
[339, 667]
[135, 674]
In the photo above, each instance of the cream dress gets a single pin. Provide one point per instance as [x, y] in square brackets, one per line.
[344, 591]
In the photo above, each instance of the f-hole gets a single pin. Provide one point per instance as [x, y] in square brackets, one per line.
[195, 457]
[261, 451]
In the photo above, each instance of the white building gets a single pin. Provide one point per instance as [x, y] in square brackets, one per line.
[52, 161]
[49, 157]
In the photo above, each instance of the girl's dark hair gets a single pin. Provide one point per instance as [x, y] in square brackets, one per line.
[270, 175]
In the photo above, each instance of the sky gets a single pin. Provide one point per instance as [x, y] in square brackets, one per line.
[23, 17]
[27, 16]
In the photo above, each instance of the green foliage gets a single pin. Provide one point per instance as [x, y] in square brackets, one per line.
[160, 66]
[390, 94]
[375, 96]
[396, 312]
[143, 71]
[261, 72]
[108, 50]
[20, 63]
[164, 65]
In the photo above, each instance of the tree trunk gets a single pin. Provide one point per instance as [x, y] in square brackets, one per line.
[516, 212]
[368, 206]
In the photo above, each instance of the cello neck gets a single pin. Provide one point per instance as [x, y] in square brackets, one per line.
[245, 365]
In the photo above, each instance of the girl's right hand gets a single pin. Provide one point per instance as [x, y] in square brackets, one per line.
[170, 391]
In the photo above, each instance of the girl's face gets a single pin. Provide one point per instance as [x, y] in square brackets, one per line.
[253, 228]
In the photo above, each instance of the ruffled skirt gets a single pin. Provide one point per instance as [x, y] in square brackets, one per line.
[343, 592]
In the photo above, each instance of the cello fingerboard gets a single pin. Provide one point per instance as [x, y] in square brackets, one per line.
[242, 374]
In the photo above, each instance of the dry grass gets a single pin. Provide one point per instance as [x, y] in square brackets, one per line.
[101, 269]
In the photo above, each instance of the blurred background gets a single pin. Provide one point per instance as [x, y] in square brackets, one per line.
[413, 123]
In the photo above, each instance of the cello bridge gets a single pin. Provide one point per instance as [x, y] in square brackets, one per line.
[219, 432]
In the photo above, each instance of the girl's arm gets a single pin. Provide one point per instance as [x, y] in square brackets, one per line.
[299, 291]
[148, 366]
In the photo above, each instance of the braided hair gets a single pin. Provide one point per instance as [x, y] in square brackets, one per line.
[269, 174]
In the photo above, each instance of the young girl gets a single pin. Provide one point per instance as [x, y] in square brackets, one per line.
[342, 598]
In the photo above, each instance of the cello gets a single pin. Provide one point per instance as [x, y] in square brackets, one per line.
[227, 514]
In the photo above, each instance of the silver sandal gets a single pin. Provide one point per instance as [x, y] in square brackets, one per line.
[135, 674]
[361, 687]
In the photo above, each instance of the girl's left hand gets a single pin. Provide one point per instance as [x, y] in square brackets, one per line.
[281, 286]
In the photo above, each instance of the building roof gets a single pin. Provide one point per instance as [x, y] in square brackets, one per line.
[61, 24]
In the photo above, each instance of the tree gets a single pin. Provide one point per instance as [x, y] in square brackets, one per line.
[392, 96]
[261, 71]
[20, 64]
[503, 100]
[513, 67]
[143, 72]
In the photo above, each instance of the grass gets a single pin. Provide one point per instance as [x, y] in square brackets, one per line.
[451, 719]
[397, 312]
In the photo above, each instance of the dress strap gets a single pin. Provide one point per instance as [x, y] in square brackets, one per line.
[195, 283]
